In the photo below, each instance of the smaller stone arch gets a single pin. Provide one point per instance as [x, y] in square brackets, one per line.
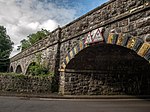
[18, 69]
[27, 70]
[11, 69]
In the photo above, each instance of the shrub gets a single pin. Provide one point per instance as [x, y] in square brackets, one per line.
[39, 70]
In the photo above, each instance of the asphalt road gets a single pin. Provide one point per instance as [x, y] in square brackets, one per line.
[12, 104]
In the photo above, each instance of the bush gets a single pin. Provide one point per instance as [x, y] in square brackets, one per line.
[36, 70]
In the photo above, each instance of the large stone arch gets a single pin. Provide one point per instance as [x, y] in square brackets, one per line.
[139, 45]
[95, 71]
[100, 53]
[18, 69]
[72, 78]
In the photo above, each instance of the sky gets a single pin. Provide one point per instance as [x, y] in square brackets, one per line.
[24, 17]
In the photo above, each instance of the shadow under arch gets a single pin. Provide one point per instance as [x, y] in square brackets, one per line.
[18, 69]
[90, 57]
[11, 69]
[120, 72]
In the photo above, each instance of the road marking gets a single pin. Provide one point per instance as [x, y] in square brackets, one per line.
[52, 99]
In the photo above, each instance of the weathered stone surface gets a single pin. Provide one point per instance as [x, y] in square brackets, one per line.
[103, 84]
[130, 17]
[100, 16]
[93, 72]
[25, 84]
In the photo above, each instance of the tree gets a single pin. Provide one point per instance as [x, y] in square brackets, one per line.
[33, 38]
[5, 48]
[24, 44]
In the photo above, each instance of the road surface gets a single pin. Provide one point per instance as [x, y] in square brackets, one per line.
[14, 104]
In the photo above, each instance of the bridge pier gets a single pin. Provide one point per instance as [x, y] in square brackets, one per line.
[55, 79]
[62, 83]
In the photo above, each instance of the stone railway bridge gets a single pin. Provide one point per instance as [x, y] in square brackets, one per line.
[106, 51]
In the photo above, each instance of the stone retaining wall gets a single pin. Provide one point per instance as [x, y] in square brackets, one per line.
[25, 84]
[105, 84]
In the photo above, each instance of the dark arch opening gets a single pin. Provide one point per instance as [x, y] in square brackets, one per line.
[108, 69]
[18, 69]
[11, 69]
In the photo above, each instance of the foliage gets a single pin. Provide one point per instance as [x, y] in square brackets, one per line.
[38, 68]
[5, 48]
[37, 36]
[5, 44]
[33, 38]
[24, 44]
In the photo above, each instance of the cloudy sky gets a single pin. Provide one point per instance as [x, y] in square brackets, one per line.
[23, 17]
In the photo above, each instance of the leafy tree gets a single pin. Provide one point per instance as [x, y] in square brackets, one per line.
[5, 48]
[24, 44]
[33, 38]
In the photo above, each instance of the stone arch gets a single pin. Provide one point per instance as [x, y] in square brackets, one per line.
[27, 70]
[18, 69]
[138, 45]
[90, 57]
[11, 69]
[107, 69]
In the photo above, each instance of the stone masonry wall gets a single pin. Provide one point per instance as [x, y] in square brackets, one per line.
[126, 16]
[105, 84]
[47, 47]
[25, 84]
[105, 14]
[50, 40]
[94, 72]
